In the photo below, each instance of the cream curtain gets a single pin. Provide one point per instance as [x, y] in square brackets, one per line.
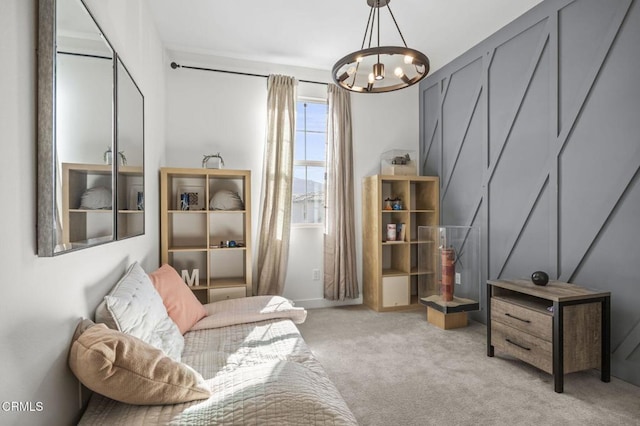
[340, 277]
[275, 223]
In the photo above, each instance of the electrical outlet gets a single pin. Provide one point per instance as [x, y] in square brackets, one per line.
[458, 278]
[315, 274]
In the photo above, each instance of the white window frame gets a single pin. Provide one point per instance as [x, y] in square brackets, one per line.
[313, 163]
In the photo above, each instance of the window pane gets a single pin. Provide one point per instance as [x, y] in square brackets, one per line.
[299, 180]
[315, 195]
[316, 144]
[300, 123]
[315, 179]
[308, 195]
[298, 205]
[316, 117]
[299, 151]
[315, 210]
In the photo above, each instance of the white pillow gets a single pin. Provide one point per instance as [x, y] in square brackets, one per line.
[225, 199]
[135, 307]
[96, 198]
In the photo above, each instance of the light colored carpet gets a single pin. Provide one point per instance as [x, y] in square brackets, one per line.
[396, 369]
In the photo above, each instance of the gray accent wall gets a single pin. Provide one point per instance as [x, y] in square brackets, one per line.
[535, 134]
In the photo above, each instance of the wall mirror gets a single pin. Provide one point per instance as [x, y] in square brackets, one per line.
[130, 164]
[90, 135]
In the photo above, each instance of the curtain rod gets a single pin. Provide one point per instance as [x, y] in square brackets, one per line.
[175, 66]
[85, 55]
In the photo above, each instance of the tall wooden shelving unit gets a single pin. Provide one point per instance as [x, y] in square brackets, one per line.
[392, 279]
[190, 239]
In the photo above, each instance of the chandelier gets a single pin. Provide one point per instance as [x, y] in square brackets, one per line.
[380, 68]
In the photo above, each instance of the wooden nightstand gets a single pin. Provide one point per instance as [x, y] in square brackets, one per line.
[559, 328]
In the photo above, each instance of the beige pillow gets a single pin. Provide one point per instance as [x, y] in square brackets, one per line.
[123, 367]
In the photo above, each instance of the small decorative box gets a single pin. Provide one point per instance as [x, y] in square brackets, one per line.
[398, 162]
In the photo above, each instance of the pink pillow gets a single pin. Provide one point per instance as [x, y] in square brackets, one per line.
[182, 305]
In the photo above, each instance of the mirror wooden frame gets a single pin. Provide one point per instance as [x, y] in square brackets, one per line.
[46, 140]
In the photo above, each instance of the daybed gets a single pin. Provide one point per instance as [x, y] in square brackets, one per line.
[240, 361]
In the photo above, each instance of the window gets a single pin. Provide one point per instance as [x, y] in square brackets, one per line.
[309, 162]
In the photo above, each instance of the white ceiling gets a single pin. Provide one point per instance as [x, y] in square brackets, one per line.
[316, 34]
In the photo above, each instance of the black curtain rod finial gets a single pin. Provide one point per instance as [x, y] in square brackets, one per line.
[174, 65]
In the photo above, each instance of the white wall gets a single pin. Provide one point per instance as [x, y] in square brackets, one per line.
[209, 112]
[42, 299]
[381, 122]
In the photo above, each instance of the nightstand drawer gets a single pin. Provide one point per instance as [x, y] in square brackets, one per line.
[524, 346]
[536, 323]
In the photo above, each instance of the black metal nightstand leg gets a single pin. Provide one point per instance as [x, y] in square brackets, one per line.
[489, 345]
[558, 349]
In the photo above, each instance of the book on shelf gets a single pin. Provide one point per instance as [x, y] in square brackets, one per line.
[402, 231]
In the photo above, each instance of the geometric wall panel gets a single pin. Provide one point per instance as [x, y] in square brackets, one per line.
[458, 199]
[582, 27]
[511, 66]
[458, 107]
[535, 134]
[430, 146]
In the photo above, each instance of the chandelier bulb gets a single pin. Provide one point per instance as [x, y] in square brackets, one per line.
[408, 59]
[372, 79]
[401, 75]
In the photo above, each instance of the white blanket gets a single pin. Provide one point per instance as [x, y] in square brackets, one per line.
[249, 309]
